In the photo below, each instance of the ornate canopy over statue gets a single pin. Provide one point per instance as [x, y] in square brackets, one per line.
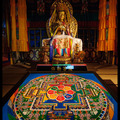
[62, 29]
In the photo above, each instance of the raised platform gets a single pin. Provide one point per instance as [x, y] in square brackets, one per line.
[61, 67]
[57, 95]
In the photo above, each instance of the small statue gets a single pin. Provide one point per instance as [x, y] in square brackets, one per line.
[46, 58]
[45, 44]
[76, 48]
[76, 58]
[76, 54]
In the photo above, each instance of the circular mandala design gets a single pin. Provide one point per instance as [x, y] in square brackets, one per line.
[42, 94]
[60, 93]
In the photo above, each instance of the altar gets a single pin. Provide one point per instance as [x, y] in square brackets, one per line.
[62, 46]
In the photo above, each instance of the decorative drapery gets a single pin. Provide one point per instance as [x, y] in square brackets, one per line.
[22, 23]
[107, 25]
[112, 24]
[13, 25]
[7, 25]
[21, 44]
[102, 25]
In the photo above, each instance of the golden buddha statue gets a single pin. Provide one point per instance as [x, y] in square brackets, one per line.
[61, 25]
[62, 29]
[61, 19]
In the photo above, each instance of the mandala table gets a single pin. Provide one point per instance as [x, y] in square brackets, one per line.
[68, 96]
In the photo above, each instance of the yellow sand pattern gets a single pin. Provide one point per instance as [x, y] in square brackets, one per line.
[111, 112]
[53, 96]
[66, 88]
[45, 98]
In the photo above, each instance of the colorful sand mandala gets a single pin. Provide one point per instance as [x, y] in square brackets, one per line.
[60, 93]
[62, 96]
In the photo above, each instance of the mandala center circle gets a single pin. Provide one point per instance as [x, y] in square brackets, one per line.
[60, 92]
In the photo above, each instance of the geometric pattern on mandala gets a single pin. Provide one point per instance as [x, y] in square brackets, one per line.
[61, 92]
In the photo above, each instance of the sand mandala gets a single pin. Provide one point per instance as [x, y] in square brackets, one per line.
[62, 96]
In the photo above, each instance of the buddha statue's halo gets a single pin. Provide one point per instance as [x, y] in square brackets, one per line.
[61, 5]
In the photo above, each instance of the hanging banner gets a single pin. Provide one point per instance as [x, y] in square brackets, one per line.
[102, 26]
[13, 25]
[22, 21]
[112, 24]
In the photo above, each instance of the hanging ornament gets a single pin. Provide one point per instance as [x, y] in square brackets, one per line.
[40, 7]
[84, 6]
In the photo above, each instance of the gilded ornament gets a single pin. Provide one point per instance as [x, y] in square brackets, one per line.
[53, 68]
